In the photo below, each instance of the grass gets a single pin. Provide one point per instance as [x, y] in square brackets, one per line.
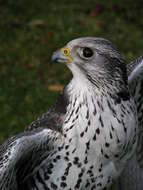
[31, 30]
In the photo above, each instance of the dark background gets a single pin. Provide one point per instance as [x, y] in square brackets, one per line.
[31, 30]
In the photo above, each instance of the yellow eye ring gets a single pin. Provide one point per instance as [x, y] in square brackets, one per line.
[65, 51]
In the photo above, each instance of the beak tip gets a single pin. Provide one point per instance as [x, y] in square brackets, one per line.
[54, 57]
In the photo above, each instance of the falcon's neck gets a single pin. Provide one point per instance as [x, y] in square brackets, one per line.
[86, 105]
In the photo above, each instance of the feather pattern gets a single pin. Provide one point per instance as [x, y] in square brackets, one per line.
[25, 147]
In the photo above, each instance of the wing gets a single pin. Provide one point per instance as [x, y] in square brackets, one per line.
[135, 80]
[55, 116]
[132, 177]
[19, 155]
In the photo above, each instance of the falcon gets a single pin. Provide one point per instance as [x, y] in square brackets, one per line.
[87, 137]
[132, 177]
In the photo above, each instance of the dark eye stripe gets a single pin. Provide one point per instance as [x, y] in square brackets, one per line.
[87, 52]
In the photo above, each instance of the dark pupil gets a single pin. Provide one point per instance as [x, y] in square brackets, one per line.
[87, 52]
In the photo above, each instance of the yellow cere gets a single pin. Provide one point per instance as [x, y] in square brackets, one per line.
[66, 53]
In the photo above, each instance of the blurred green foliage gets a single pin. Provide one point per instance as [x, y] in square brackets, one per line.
[31, 30]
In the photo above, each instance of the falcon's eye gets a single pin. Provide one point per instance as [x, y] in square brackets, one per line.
[87, 52]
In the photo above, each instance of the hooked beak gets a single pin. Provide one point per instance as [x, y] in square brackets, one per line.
[62, 56]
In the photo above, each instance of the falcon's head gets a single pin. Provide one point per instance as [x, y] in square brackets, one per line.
[95, 59]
